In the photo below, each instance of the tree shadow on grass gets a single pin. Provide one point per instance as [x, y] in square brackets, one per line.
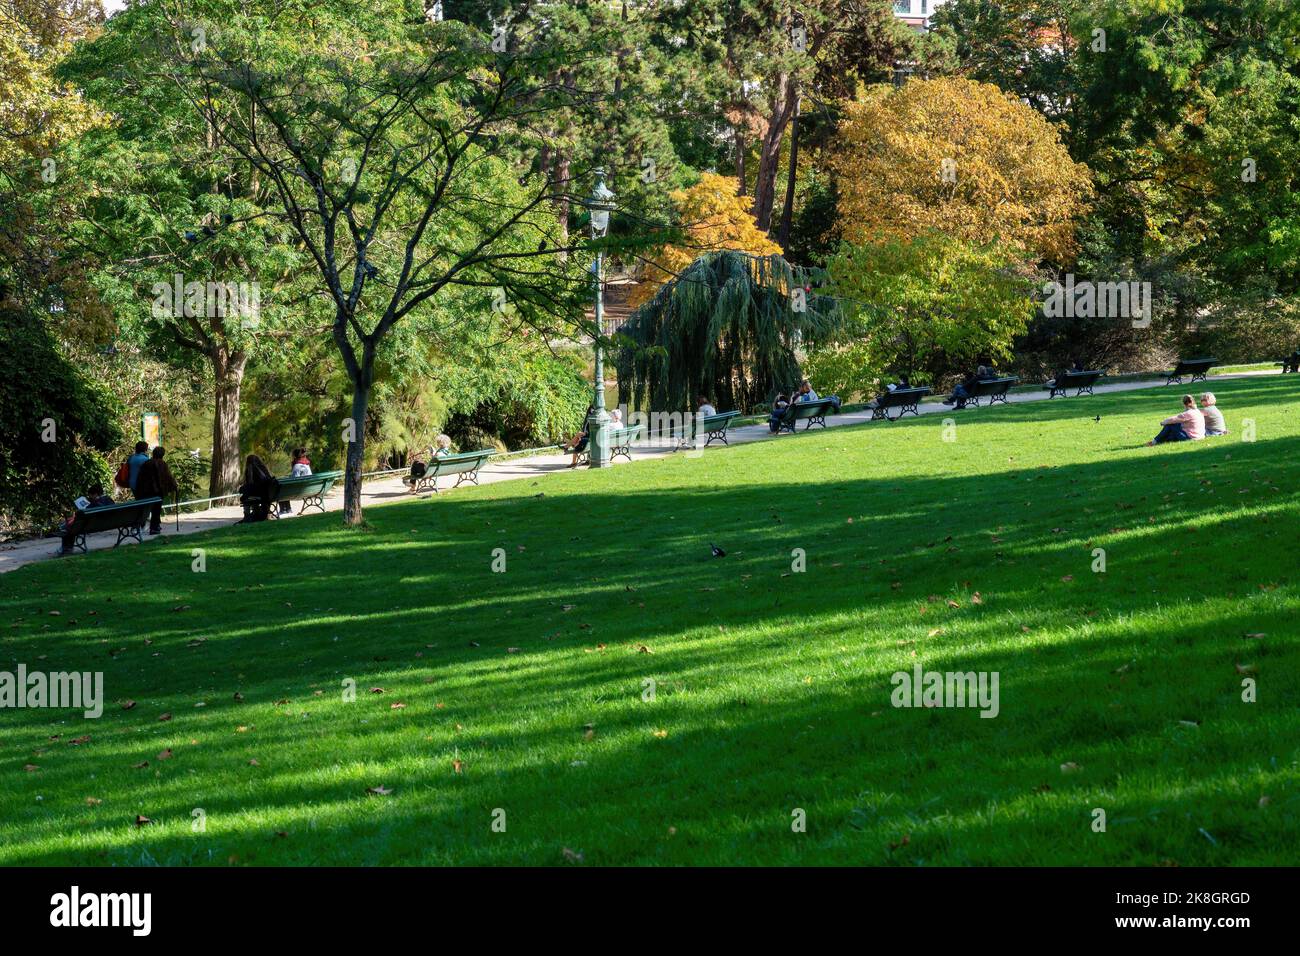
[795, 714]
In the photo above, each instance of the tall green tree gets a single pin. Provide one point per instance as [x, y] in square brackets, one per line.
[178, 220]
[396, 171]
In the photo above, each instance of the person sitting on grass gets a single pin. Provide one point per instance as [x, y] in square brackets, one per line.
[778, 412]
[1187, 425]
[1214, 423]
[94, 498]
[578, 443]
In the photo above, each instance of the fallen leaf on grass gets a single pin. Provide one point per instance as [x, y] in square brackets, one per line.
[457, 765]
[31, 767]
[140, 766]
[93, 801]
[1246, 668]
[1070, 767]
[128, 704]
[165, 754]
[142, 821]
[571, 855]
[380, 791]
[166, 716]
[397, 705]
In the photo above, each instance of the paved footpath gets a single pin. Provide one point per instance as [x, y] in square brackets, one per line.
[378, 491]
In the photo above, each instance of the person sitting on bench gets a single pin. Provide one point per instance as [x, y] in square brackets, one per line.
[778, 412]
[805, 393]
[94, 498]
[1187, 425]
[256, 492]
[578, 443]
[1214, 423]
[962, 392]
[903, 383]
[1291, 363]
[705, 407]
[1075, 366]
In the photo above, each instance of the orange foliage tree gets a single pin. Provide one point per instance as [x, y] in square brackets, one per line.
[712, 217]
[958, 157]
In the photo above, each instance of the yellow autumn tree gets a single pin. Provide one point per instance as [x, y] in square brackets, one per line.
[962, 158]
[713, 217]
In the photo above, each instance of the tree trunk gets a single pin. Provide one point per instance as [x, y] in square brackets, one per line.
[740, 160]
[228, 371]
[352, 516]
[769, 155]
[787, 211]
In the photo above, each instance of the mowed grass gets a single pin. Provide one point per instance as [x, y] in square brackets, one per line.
[524, 691]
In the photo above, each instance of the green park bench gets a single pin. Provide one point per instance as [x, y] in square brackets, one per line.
[814, 413]
[1081, 382]
[464, 465]
[713, 427]
[904, 399]
[1196, 368]
[994, 389]
[619, 441]
[309, 489]
[127, 519]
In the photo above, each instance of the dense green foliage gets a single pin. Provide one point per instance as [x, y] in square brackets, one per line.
[925, 307]
[54, 425]
[727, 327]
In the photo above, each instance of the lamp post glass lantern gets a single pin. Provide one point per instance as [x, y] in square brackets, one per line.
[600, 204]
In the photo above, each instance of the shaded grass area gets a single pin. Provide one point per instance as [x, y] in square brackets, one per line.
[525, 691]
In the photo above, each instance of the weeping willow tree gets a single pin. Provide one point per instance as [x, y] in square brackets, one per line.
[728, 326]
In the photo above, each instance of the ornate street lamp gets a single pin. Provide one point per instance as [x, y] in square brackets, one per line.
[600, 203]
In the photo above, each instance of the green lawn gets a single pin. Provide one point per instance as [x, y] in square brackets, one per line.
[523, 690]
